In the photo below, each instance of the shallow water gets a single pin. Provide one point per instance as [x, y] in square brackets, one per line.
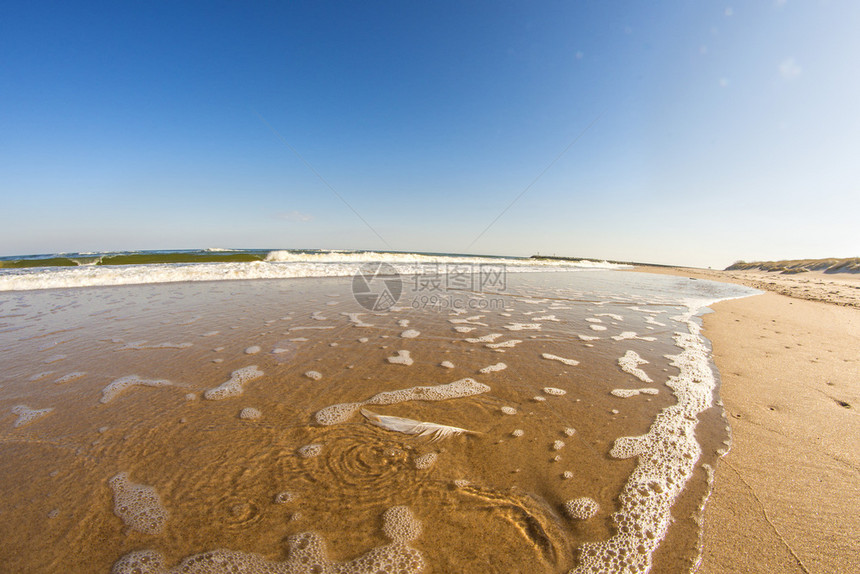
[489, 501]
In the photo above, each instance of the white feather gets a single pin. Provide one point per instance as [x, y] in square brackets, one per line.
[409, 426]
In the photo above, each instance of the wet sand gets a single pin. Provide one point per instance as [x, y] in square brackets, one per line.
[787, 495]
[202, 475]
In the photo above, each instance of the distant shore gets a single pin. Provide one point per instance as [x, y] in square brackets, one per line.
[786, 497]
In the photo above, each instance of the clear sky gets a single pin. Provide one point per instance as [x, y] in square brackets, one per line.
[707, 131]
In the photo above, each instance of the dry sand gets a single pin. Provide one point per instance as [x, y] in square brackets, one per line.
[838, 288]
[787, 495]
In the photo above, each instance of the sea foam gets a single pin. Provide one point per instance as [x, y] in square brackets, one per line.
[630, 362]
[277, 265]
[119, 385]
[138, 505]
[342, 412]
[666, 457]
[307, 554]
[27, 415]
[235, 386]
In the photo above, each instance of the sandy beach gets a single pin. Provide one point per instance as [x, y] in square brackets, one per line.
[235, 412]
[787, 495]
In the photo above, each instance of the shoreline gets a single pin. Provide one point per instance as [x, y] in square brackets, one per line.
[841, 289]
[786, 497]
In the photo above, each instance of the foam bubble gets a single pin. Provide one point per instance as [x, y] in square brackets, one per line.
[252, 350]
[314, 375]
[518, 433]
[119, 385]
[571, 362]
[425, 461]
[336, 414]
[624, 336]
[569, 431]
[504, 344]
[631, 335]
[236, 385]
[409, 334]
[250, 414]
[523, 327]
[581, 508]
[402, 358]
[588, 338]
[141, 345]
[339, 413]
[447, 364]
[464, 329]
[458, 389]
[554, 391]
[597, 327]
[283, 497]
[310, 450]
[610, 315]
[509, 410]
[493, 368]
[356, 320]
[630, 362]
[400, 525]
[70, 377]
[468, 321]
[485, 339]
[27, 415]
[558, 445]
[593, 320]
[625, 393]
[41, 375]
[138, 505]
[567, 474]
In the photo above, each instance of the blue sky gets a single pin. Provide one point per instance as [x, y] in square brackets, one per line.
[717, 131]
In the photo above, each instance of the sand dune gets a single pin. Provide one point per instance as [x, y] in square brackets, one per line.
[791, 266]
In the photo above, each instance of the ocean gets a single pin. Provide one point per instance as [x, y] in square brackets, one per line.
[325, 411]
[52, 271]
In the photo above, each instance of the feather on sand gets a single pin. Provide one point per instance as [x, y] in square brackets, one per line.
[409, 426]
